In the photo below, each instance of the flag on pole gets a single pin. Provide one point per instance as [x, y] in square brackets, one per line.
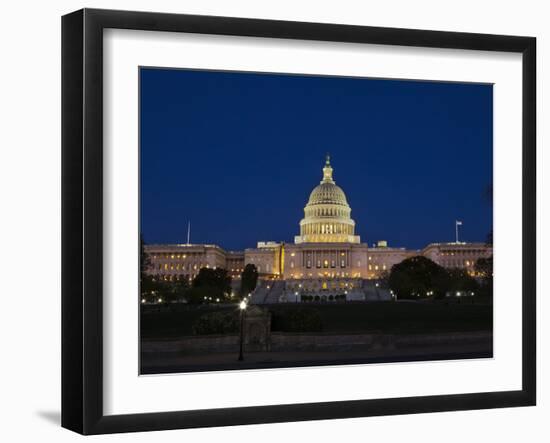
[457, 224]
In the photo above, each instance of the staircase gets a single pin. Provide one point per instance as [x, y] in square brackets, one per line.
[260, 293]
[374, 293]
[274, 293]
[267, 292]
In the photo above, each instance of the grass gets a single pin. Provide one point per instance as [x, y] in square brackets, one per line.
[387, 317]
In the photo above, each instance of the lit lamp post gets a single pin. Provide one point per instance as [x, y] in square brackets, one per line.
[242, 307]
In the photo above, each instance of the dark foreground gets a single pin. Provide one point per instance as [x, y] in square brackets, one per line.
[351, 334]
[463, 346]
[387, 317]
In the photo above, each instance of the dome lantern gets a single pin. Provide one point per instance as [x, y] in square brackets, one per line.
[327, 172]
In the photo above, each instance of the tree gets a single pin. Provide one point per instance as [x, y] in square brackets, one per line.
[157, 288]
[484, 267]
[147, 282]
[200, 295]
[180, 287]
[383, 279]
[418, 277]
[460, 280]
[172, 291]
[216, 282]
[484, 271]
[249, 279]
[144, 259]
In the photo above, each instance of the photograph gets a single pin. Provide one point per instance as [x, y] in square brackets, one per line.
[292, 220]
[267, 222]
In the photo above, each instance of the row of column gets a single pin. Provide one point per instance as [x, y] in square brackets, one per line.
[327, 228]
[321, 255]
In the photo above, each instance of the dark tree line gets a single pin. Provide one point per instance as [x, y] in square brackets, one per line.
[419, 277]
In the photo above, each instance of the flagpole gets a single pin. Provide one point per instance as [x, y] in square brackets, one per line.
[188, 232]
[457, 224]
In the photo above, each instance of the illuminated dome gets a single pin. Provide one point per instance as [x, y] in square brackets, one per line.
[327, 214]
[327, 193]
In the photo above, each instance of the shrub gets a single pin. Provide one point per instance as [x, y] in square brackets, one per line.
[296, 319]
[216, 323]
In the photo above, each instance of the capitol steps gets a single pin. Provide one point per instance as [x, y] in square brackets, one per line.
[260, 293]
[275, 291]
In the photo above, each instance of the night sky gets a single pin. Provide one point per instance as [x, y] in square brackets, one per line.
[238, 154]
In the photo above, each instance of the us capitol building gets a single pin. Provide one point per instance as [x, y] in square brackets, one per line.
[326, 260]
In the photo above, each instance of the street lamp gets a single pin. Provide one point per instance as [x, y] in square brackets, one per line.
[242, 308]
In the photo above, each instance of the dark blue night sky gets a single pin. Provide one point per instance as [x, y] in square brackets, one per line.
[239, 153]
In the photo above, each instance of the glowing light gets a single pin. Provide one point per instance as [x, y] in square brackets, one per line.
[143, 300]
[242, 305]
[160, 300]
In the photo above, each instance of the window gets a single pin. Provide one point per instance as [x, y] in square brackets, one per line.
[318, 263]
[325, 264]
[342, 263]
[308, 264]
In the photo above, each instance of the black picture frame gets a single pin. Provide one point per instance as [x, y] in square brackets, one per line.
[82, 218]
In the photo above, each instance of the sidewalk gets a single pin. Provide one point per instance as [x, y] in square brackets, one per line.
[158, 363]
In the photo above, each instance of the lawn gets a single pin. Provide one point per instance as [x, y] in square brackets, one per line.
[387, 317]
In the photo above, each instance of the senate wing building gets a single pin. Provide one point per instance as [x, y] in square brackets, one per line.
[327, 260]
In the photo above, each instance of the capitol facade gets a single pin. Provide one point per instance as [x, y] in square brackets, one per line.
[327, 260]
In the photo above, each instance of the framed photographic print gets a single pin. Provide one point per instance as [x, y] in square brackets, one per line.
[307, 221]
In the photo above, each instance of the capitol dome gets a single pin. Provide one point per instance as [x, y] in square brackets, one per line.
[327, 193]
[327, 215]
